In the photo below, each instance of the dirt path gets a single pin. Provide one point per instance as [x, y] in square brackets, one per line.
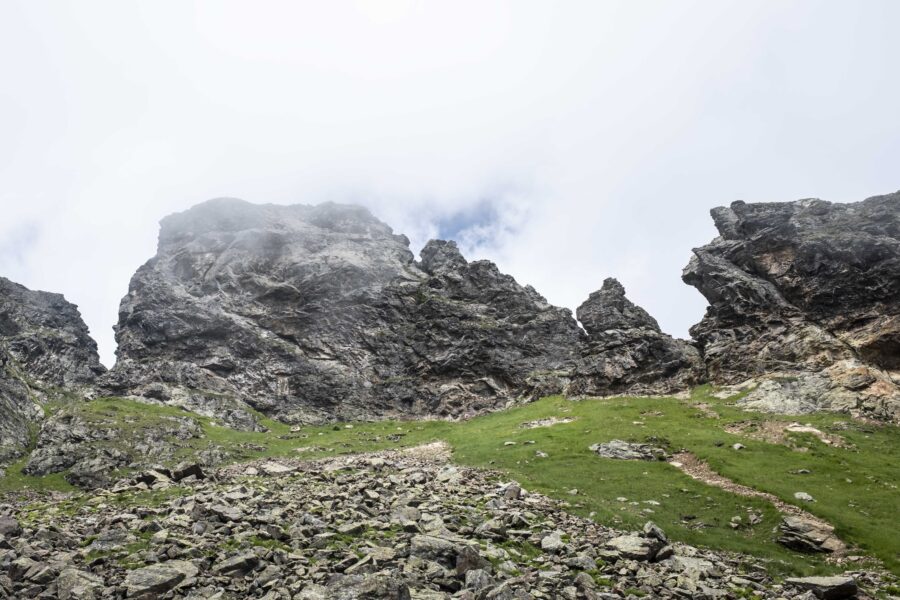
[701, 471]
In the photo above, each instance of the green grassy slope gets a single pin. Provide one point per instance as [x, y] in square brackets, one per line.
[855, 488]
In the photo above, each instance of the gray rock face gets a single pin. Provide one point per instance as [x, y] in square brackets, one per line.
[804, 296]
[44, 344]
[627, 352]
[316, 313]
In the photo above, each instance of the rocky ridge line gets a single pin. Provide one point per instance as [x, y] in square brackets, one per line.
[307, 313]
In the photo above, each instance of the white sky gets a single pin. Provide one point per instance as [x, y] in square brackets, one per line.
[567, 141]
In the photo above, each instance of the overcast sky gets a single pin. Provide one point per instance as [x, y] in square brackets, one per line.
[566, 141]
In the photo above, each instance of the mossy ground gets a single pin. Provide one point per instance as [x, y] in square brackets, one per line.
[855, 487]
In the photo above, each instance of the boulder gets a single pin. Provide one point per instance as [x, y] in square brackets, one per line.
[807, 535]
[620, 450]
[9, 526]
[238, 564]
[436, 549]
[154, 580]
[635, 547]
[73, 584]
[379, 586]
[826, 588]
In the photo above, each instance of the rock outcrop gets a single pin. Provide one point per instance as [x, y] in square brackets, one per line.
[627, 352]
[44, 347]
[313, 313]
[805, 299]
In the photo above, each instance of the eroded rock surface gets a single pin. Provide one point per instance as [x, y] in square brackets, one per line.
[44, 345]
[805, 297]
[314, 313]
[627, 352]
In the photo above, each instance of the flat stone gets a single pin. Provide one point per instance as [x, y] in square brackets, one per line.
[827, 588]
[237, 564]
[227, 513]
[806, 535]
[275, 468]
[154, 580]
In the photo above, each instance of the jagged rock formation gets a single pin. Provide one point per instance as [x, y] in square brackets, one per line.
[44, 346]
[17, 411]
[805, 297]
[312, 313]
[627, 352]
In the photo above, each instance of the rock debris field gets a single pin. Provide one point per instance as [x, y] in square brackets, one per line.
[403, 524]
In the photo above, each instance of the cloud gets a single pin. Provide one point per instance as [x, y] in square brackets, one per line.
[567, 142]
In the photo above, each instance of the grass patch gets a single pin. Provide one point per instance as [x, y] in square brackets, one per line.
[855, 487]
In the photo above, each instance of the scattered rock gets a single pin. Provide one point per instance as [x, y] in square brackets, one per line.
[548, 422]
[414, 527]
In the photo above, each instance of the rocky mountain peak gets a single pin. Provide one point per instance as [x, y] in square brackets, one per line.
[440, 255]
[310, 312]
[608, 308]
